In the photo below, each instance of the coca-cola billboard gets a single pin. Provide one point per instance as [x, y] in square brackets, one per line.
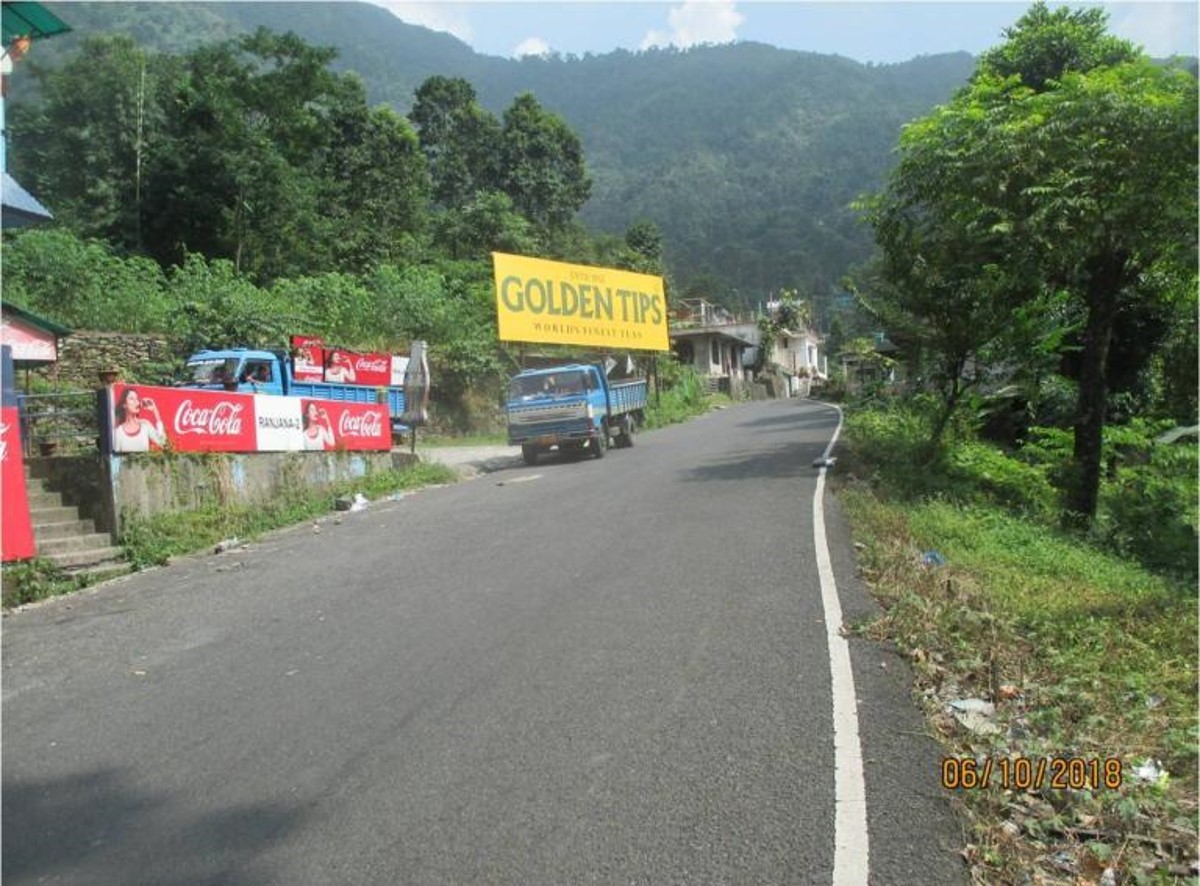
[351, 367]
[147, 418]
[308, 358]
[329, 424]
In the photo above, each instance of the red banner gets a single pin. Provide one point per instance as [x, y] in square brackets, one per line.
[16, 527]
[308, 363]
[145, 419]
[328, 424]
[350, 367]
[148, 419]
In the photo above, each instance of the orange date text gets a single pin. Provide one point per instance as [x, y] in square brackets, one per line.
[1031, 773]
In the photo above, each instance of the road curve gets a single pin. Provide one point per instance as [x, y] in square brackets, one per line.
[599, 671]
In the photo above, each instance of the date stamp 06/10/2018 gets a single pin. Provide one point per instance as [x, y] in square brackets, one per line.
[1031, 773]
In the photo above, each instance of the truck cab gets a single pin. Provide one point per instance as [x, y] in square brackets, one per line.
[237, 369]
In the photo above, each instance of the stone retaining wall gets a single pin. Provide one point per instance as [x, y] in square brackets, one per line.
[83, 354]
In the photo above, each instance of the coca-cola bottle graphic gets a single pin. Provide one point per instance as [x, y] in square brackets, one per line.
[416, 391]
[416, 387]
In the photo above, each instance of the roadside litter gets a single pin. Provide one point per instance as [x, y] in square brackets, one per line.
[358, 503]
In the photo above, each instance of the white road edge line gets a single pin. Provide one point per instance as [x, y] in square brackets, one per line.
[850, 842]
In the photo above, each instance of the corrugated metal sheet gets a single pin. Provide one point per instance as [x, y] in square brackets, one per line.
[19, 206]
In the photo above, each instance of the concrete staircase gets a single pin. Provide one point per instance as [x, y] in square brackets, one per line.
[67, 539]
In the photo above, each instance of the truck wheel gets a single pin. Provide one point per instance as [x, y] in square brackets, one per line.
[529, 453]
[599, 444]
[628, 425]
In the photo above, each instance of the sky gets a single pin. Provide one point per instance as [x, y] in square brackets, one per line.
[880, 32]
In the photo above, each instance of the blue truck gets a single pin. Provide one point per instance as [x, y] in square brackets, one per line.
[573, 408]
[250, 371]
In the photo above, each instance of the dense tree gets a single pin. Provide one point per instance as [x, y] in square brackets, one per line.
[375, 189]
[87, 147]
[1044, 45]
[644, 248]
[82, 284]
[541, 164]
[460, 140]
[1046, 189]
[486, 223]
[251, 127]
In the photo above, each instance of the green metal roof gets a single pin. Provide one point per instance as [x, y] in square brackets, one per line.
[35, 320]
[29, 20]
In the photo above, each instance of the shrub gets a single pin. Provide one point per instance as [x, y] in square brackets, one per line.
[1149, 511]
[982, 472]
[682, 395]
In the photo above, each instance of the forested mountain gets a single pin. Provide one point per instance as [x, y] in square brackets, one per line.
[745, 156]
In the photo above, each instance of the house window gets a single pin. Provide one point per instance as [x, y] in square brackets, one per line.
[716, 353]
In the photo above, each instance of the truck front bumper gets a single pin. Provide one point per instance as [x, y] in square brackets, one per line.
[547, 435]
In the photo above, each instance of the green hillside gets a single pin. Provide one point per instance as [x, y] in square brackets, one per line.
[746, 156]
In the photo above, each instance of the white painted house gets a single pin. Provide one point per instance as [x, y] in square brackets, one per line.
[722, 345]
[714, 341]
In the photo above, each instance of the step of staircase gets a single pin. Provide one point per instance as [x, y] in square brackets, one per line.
[65, 528]
[40, 497]
[101, 571]
[84, 557]
[69, 543]
[67, 540]
[53, 514]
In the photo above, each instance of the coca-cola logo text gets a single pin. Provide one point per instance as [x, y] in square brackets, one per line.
[222, 420]
[3, 442]
[368, 424]
[372, 364]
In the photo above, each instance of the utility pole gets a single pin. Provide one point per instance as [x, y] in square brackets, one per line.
[137, 151]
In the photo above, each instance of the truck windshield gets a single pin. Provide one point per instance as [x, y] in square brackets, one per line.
[212, 372]
[553, 385]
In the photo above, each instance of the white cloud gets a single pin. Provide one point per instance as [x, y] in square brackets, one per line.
[1162, 29]
[448, 17]
[698, 21]
[532, 46]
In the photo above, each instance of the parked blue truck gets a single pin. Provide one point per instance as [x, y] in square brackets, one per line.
[573, 408]
[252, 371]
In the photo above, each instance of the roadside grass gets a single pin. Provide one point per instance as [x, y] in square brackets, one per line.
[154, 540]
[682, 398]
[1086, 655]
[36, 579]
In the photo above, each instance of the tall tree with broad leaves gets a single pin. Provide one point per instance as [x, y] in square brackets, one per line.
[542, 164]
[375, 188]
[460, 140]
[248, 135]
[87, 145]
[1062, 176]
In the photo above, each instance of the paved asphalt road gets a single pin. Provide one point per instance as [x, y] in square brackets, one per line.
[602, 671]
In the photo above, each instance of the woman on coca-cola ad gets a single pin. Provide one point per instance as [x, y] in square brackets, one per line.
[318, 429]
[340, 369]
[132, 432]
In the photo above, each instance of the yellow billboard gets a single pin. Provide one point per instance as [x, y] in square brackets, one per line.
[554, 302]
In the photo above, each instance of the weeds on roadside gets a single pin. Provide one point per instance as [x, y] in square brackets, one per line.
[154, 540]
[682, 396]
[38, 579]
[1085, 652]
